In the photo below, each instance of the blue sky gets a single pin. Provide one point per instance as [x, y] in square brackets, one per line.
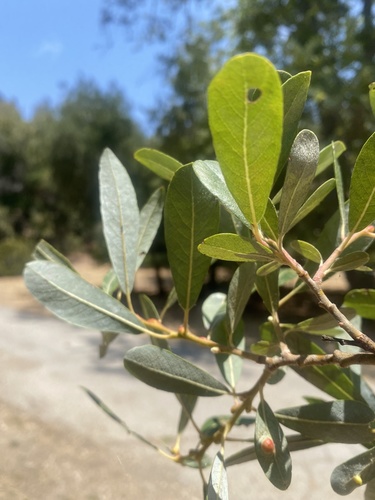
[46, 45]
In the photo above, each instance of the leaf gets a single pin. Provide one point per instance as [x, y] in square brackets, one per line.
[340, 193]
[326, 155]
[323, 324]
[330, 378]
[240, 288]
[247, 133]
[372, 96]
[187, 402]
[268, 268]
[110, 282]
[354, 473]
[213, 424]
[271, 448]
[45, 251]
[350, 261]
[211, 176]
[186, 225]
[313, 201]
[303, 160]
[270, 221]
[171, 300]
[230, 246]
[161, 164]
[295, 443]
[268, 289]
[149, 222]
[120, 216]
[307, 250]
[162, 369]
[295, 93]
[362, 188]
[363, 301]
[218, 481]
[149, 311]
[76, 301]
[212, 307]
[333, 421]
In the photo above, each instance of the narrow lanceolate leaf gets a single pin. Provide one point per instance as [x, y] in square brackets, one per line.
[230, 246]
[211, 176]
[162, 369]
[191, 214]
[149, 222]
[326, 155]
[313, 201]
[372, 96]
[161, 164]
[218, 481]
[45, 251]
[120, 216]
[295, 93]
[333, 421]
[270, 222]
[354, 473]
[268, 289]
[187, 402]
[350, 261]
[245, 109]
[76, 301]
[303, 160]
[271, 448]
[241, 287]
[307, 250]
[340, 193]
[324, 323]
[362, 188]
[363, 301]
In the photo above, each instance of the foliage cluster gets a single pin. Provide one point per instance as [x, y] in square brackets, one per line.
[268, 178]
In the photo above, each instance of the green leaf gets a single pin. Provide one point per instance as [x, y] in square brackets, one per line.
[295, 93]
[110, 282]
[271, 448]
[161, 164]
[120, 216]
[213, 308]
[340, 193]
[330, 378]
[326, 155]
[295, 443]
[362, 188]
[307, 250]
[230, 246]
[350, 261]
[333, 421]
[211, 176]
[149, 311]
[186, 224]
[247, 132]
[45, 251]
[162, 369]
[149, 222]
[313, 201]
[354, 473]
[218, 481]
[286, 274]
[76, 301]
[372, 96]
[187, 402]
[363, 301]
[270, 221]
[303, 160]
[268, 268]
[323, 324]
[241, 287]
[213, 424]
[268, 289]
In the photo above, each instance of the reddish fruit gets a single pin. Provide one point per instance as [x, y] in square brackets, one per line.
[268, 446]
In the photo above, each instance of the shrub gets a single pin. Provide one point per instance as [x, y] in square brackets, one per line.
[268, 178]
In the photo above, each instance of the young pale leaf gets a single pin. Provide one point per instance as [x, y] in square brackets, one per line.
[76, 301]
[350, 261]
[230, 246]
[110, 282]
[372, 96]
[120, 216]
[213, 308]
[326, 155]
[218, 482]
[271, 448]
[162, 369]
[149, 222]
[211, 176]
[246, 127]
[295, 93]
[354, 473]
[241, 287]
[161, 164]
[362, 188]
[303, 160]
[313, 201]
[268, 289]
[186, 224]
[307, 250]
[333, 421]
[268, 268]
[45, 251]
[363, 301]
